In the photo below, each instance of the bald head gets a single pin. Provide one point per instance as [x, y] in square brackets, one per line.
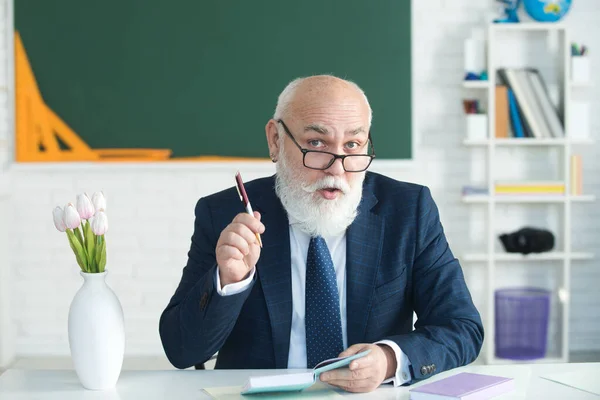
[312, 96]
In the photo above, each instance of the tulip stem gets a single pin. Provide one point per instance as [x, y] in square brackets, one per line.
[78, 250]
[79, 236]
[98, 255]
[89, 245]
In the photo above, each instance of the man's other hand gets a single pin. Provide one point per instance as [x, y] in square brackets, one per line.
[366, 373]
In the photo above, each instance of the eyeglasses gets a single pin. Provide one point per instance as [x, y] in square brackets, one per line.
[321, 160]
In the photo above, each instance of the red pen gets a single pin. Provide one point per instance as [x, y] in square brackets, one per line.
[244, 197]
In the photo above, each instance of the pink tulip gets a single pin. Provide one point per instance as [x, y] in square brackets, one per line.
[59, 221]
[84, 206]
[99, 201]
[71, 218]
[99, 223]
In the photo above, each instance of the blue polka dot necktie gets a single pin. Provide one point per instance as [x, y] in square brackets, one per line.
[322, 309]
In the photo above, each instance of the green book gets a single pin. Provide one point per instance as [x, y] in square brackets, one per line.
[298, 381]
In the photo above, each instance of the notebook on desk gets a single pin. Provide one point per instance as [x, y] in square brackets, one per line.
[296, 382]
[464, 386]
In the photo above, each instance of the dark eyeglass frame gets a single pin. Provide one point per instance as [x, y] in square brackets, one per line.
[342, 157]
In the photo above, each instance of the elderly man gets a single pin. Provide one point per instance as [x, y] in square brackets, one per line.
[347, 257]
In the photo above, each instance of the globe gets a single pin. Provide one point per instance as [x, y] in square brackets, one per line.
[547, 10]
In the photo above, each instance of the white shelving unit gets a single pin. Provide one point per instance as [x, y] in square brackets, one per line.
[475, 198]
[490, 255]
[507, 257]
[525, 142]
[475, 84]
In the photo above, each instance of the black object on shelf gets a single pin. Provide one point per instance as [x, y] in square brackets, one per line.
[528, 240]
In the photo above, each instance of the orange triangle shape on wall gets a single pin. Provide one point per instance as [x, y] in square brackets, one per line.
[38, 127]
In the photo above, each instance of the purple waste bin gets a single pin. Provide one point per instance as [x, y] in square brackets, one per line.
[522, 316]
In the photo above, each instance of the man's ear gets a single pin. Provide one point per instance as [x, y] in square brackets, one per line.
[272, 139]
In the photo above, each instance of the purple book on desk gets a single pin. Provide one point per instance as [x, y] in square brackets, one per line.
[464, 386]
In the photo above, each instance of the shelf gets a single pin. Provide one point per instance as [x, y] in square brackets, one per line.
[545, 360]
[529, 26]
[476, 84]
[475, 198]
[509, 257]
[582, 141]
[525, 142]
[581, 84]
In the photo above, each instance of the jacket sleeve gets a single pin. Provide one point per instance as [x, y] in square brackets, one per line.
[198, 320]
[448, 332]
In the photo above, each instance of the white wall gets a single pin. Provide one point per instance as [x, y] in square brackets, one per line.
[150, 207]
[6, 322]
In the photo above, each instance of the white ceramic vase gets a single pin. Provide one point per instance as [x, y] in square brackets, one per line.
[96, 333]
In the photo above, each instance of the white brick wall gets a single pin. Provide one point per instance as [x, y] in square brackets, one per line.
[151, 207]
[6, 322]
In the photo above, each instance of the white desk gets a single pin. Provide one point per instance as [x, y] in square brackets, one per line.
[18, 384]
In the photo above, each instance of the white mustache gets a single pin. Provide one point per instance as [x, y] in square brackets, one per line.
[328, 182]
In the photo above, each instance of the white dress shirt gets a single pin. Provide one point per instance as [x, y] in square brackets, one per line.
[299, 242]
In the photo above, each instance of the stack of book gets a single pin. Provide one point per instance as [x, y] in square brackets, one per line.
[524, 108]
[529, 188]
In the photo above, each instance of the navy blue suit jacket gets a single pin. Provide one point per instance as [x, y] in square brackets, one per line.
[398, 261]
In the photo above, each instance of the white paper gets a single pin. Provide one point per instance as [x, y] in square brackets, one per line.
[586, 380]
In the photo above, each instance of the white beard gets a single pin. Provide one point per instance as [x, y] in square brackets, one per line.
[316, 215]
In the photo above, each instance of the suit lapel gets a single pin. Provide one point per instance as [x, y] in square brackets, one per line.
[274, 272]
[364, 241]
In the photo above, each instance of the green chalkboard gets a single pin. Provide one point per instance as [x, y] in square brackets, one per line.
[202, 77]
